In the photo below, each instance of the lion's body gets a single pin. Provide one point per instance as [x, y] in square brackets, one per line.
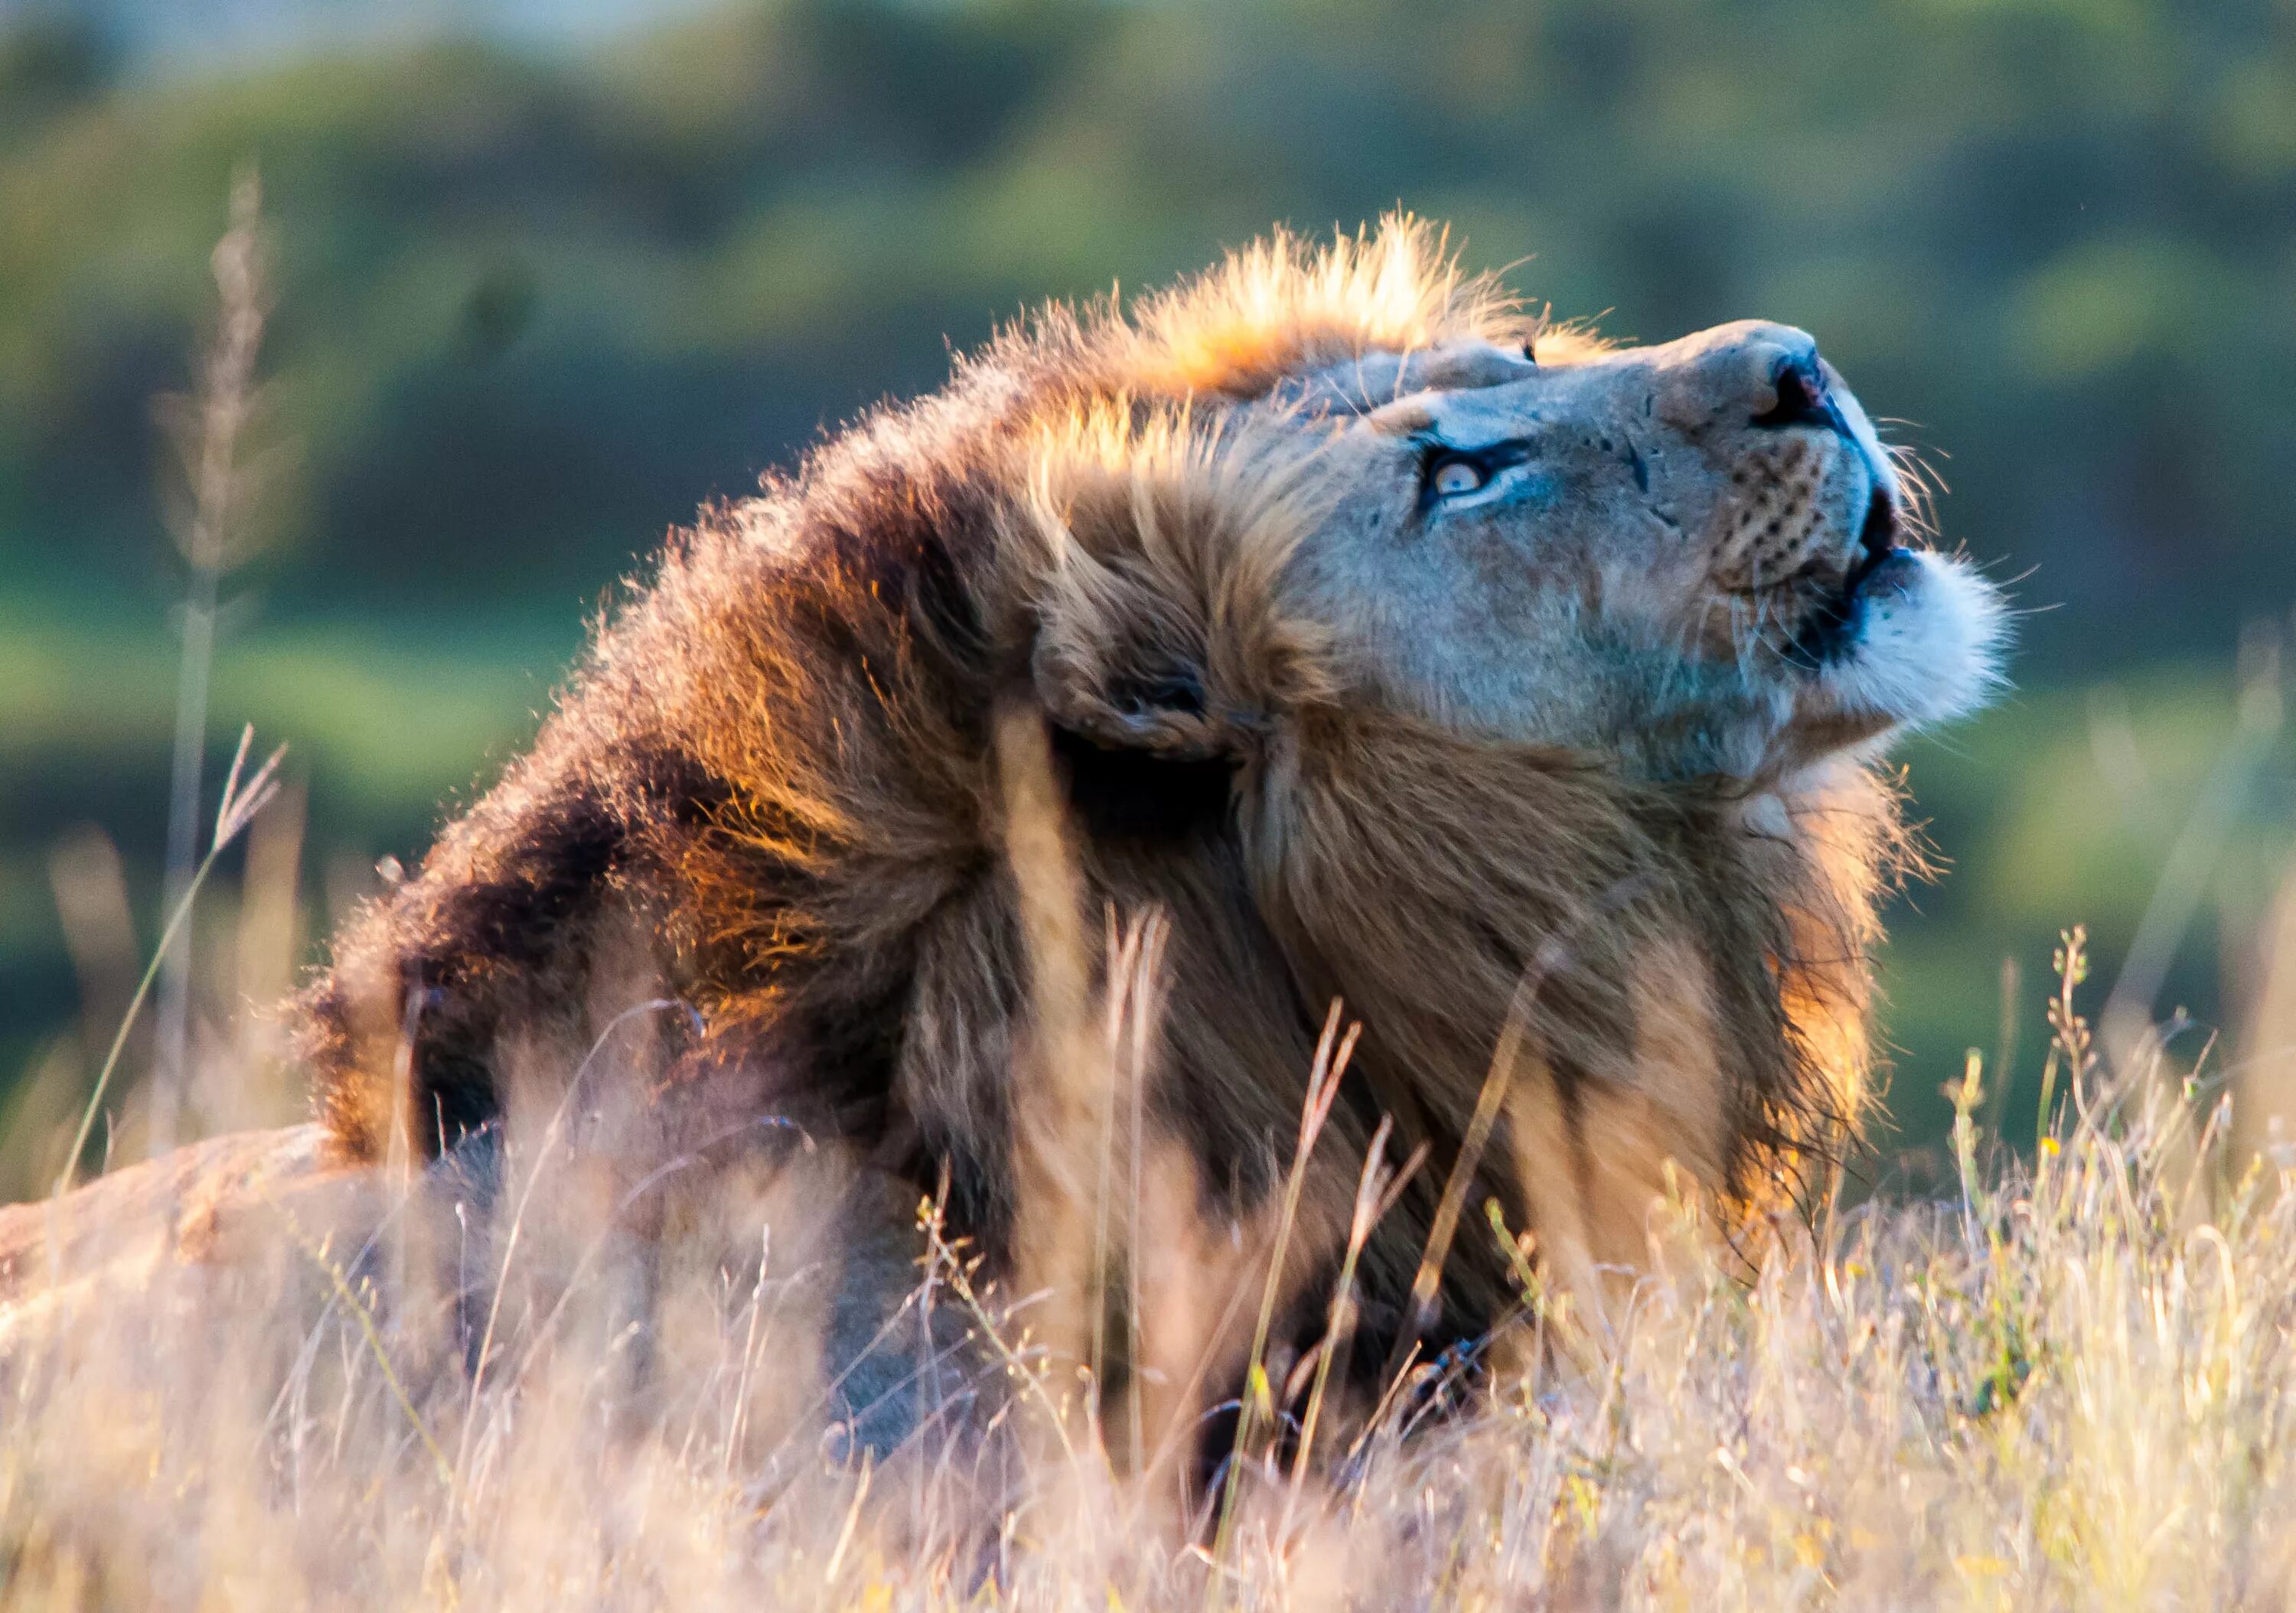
[790, 790]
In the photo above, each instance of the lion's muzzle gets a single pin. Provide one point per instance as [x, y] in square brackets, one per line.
[1808, 521]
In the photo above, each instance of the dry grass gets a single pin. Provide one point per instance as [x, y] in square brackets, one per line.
[2071, 1386]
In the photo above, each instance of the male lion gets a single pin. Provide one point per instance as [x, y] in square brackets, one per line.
[1397, 652]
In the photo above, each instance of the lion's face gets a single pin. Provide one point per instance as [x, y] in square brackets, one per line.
[1693, 556]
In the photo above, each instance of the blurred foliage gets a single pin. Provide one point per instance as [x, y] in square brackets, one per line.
[531, 309]
[2069, 806]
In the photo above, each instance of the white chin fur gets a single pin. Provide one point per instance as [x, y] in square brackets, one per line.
[1926, 652]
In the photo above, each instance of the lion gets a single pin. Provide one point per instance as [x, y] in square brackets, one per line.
[1413, 666]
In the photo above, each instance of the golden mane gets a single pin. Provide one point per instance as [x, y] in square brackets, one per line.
[1279, 307]
[1284, 305]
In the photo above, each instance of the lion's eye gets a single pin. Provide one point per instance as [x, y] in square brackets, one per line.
[1454, 477]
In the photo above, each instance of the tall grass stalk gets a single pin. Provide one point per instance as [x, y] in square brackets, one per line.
[243, 801]
[1332, 1052]
[1377, 1190]
[211, 434]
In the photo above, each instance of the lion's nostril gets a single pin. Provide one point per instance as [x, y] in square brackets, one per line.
[1802, 397]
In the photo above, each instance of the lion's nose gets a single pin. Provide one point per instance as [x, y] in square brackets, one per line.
[1799, 394]
[1749, 372]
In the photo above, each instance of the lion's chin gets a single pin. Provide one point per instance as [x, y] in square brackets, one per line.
[1925, 646]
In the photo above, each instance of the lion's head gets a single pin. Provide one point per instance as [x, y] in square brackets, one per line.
[1694, 559]
[1510, 690]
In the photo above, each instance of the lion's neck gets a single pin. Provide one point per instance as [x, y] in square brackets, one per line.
[1692, 984]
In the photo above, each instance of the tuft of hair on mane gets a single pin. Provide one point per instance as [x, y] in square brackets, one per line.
[1280, 305]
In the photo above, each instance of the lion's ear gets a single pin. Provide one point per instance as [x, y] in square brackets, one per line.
[1123, 693]
[1153, 590]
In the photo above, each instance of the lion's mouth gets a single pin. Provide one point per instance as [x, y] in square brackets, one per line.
[1829, 629]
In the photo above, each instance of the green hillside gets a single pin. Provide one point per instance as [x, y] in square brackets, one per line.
[530, 312]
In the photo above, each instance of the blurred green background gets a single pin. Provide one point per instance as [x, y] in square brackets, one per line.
[546, 278]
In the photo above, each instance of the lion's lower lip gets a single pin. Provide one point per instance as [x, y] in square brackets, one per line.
[1877, 538]
[1888, 568]
[1831, 628]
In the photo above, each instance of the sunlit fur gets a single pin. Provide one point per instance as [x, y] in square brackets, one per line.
[772, 792]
